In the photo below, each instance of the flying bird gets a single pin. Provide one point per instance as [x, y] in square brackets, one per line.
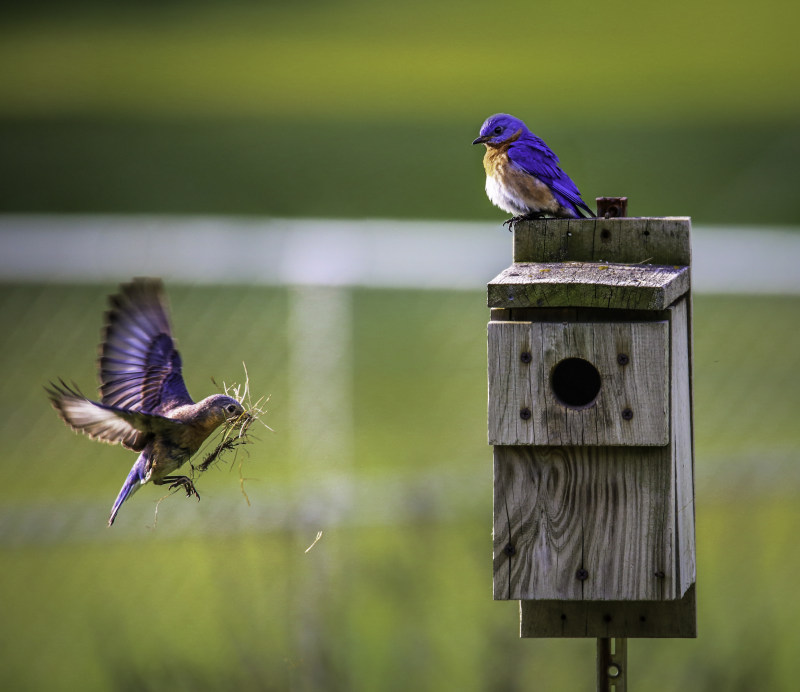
[522, 173]
[144, 404]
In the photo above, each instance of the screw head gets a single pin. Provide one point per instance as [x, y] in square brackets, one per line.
[627, 414]
[525, 357]
[623, 359]
[582, 574]
[510, 550]
[525, 413]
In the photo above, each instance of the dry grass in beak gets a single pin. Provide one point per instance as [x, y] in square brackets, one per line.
[235, 432]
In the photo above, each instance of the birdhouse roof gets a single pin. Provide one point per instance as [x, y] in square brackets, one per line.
[588, 284]
[629, 263]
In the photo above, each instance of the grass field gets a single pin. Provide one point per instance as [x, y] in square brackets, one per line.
[397, 593]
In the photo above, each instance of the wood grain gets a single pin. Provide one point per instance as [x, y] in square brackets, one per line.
[576, 314]
[588, 284]
[682, 442]
[608, 511]
[594, 525]
[664, 241]
[640, 386]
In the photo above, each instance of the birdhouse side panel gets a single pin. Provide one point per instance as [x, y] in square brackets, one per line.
[682, 443]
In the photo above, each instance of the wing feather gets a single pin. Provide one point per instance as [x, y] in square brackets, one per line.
[107, 423]
[140, 368]
[534, 156]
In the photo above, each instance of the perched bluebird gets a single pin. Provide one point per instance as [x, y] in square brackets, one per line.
[522, 173]
[144, 404]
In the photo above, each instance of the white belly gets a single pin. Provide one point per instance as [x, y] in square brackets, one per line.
[504, 198]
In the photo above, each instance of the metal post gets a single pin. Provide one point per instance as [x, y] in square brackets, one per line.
[612, 665]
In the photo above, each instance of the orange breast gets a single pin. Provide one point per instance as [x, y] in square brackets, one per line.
[512, 189]
[496, 160]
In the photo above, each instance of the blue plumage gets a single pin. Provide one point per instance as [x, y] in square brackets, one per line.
[523, 176]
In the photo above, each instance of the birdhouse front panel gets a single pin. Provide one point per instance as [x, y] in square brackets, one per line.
[589, 383]
[592, 521]
[584, 523]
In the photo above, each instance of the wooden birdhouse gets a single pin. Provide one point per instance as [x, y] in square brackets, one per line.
[590, 416]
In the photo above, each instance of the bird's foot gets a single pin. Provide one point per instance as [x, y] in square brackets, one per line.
[530, 216]
[181, 482]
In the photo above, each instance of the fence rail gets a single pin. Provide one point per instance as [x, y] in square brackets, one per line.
[378, 253]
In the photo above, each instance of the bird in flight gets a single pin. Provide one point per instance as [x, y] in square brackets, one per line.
[522, 173]
[144, 404]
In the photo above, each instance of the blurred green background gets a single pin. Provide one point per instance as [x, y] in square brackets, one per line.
[352, 109]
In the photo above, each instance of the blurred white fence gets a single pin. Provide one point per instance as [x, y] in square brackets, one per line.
[407, 254]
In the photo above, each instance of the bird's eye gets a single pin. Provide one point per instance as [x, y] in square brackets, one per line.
[498, 130]
[230, 408]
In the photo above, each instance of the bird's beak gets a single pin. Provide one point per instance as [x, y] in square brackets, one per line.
[482, 140]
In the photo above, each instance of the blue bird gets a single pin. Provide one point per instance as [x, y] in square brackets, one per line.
[144, 404]
[522, 173]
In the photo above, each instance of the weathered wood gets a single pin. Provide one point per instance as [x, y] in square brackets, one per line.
[622, 514]
[632, 403]
[588, 284]
[584, 523]
[610, 618]
[594, 510]
[629, 240]
[681, 425]
[575, 314]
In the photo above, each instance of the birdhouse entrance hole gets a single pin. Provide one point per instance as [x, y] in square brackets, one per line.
[576, 383]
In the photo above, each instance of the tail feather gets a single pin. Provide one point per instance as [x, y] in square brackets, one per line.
[133, 482]
[580, 207]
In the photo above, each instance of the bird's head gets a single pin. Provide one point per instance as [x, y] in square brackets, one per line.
[222, 409]
[500, 128]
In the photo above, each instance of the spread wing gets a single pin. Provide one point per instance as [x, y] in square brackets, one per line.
[534, 156]
[107, 423]
[140, 369]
